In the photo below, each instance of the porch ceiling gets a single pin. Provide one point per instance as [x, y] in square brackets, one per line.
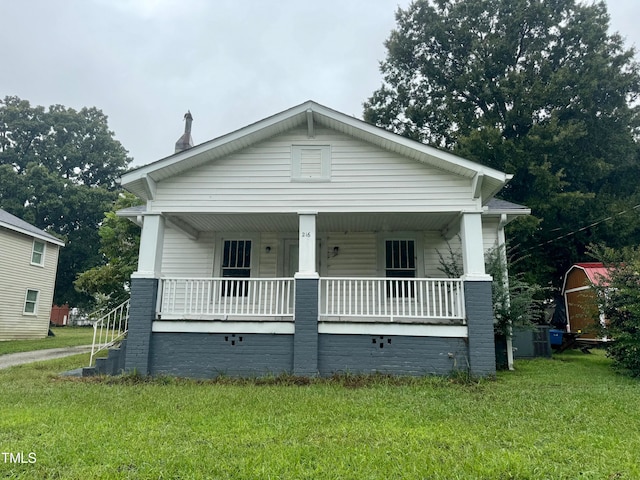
[326, 222]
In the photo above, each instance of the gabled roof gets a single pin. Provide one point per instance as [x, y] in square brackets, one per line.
[141, 181]
[16, 224]
[596, 272]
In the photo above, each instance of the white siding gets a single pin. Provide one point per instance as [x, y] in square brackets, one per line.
[436, 246]
[17, 274]
[490, 233]
[357, 255]
[363, 178]
[183, 257]
[268, 261]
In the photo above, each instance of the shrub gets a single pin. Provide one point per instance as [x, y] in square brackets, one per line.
[515, 302]
[620, 303]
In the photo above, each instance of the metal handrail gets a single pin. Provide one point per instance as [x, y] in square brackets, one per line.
[109, 329]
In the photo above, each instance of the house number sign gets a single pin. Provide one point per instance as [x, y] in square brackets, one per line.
[305, 234]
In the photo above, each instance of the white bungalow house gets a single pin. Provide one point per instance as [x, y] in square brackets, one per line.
[308, 243]
[28, 264]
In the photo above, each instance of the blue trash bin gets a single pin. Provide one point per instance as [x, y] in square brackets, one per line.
[555, 336]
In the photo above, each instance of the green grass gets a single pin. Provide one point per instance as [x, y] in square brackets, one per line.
[64, 337]
[565, 418]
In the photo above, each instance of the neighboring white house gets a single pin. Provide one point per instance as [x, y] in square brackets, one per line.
[28, 264]
[309, 242]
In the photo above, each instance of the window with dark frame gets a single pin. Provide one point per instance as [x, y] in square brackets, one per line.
[236, 264]
[400, 262]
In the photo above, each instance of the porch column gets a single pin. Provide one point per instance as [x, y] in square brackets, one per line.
[478, 301]
[151, 243]
[305, 342]
[472, 245]
[144, 295]
[307, 245]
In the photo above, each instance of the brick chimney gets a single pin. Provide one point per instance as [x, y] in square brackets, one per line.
[185, 142]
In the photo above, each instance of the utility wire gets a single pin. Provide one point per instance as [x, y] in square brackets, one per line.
[611, 217]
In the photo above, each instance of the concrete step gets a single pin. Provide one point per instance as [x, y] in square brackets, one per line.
[113, 363]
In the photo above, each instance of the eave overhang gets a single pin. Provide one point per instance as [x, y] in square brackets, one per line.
[44, 236]
[141, 181]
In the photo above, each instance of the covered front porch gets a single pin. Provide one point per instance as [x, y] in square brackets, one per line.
[317, 299]
[370, 268]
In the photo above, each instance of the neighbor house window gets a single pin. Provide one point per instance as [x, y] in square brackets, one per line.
[400, 262]
[236, 263]
[31, 302]
[310, 163]
[37, 253]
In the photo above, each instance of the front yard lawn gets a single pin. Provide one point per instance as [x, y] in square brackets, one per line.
[64, 337]
[565, 418]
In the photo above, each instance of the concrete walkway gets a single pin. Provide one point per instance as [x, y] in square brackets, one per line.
[10, 359]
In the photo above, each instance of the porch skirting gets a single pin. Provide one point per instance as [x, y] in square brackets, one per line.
[249, 355]
[307, 346]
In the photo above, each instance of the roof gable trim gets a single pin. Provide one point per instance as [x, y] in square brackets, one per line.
[46, 237]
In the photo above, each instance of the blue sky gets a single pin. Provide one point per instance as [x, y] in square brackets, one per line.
[231, 62]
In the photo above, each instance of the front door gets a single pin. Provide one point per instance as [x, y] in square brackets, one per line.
[291, 253]
[291, 257]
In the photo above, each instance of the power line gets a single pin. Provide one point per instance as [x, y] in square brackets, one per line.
[582, 229]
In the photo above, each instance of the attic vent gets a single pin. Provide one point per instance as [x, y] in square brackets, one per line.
[310, 163]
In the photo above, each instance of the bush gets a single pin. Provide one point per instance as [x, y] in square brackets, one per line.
[620, 303]
[516, 303]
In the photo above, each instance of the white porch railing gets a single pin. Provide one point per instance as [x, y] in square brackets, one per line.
[109, 329]
[224, 297]
[393, 298]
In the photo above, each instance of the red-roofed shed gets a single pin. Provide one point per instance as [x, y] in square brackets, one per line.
[583, 312]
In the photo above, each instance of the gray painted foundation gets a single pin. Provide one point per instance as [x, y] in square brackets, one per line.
[479, 308]
[142, 312]
[208, 355]
[306, 353]
[203, 355]
[391, 354]
[305, 343]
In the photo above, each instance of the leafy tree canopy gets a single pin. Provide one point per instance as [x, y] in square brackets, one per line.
[535, 88]
[109, 282]
[58, 171]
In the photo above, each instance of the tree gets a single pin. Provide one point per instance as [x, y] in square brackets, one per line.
[58, 171]
[619, 298]
[534, 88]
[109, 282]
[77, 145]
